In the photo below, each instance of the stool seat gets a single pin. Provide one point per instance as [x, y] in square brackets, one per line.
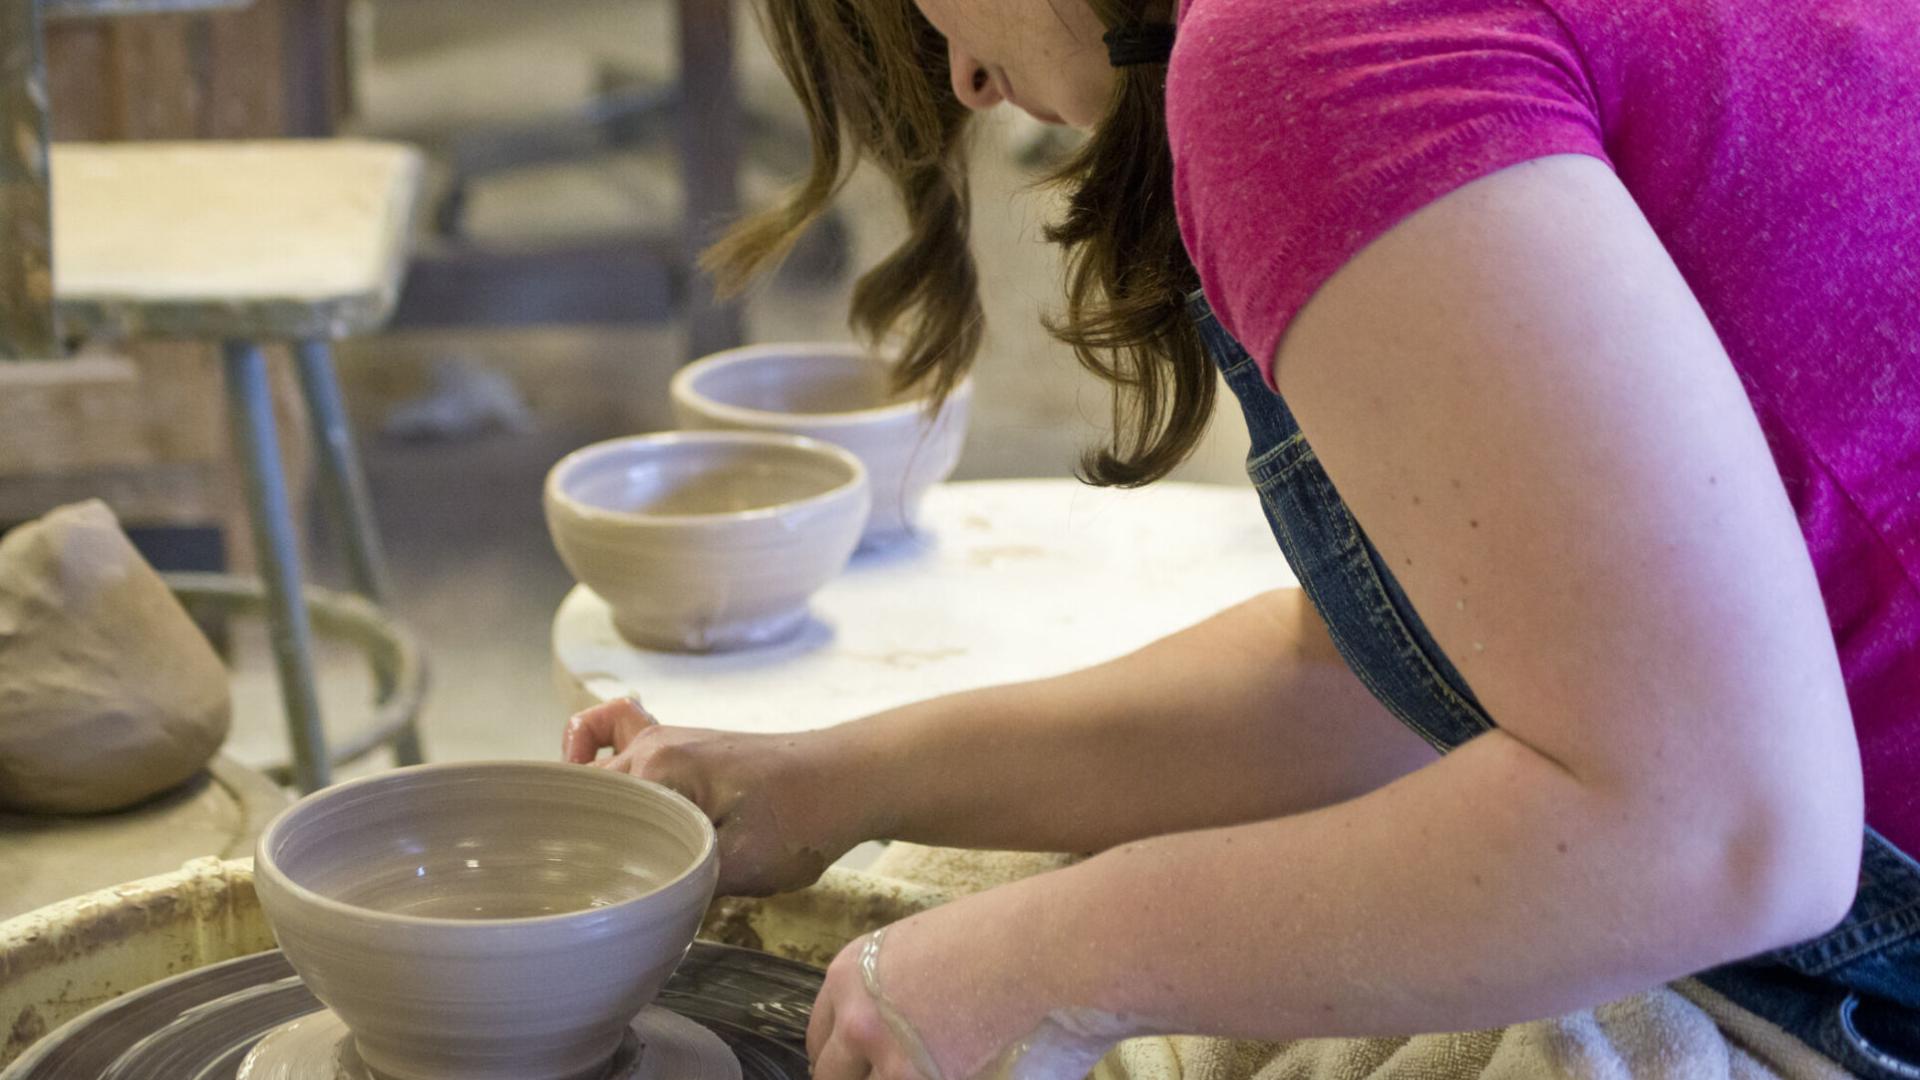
[62, 9]
[282, 239]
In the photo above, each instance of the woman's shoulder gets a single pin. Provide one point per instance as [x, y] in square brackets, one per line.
[1335, 82]
[1258, 22]
[1229, 47]
[1302, 131]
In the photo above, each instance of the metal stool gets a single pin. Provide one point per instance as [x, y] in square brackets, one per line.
[244, 243]
[391, 652]
[301, 242]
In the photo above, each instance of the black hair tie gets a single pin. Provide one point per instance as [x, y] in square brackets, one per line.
[1142, 43]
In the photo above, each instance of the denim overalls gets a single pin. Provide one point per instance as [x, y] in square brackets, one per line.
[1853, 993]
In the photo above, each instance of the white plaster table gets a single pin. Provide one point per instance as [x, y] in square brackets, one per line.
[1010, 580]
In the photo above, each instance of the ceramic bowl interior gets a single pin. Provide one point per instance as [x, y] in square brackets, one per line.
[693, 476]
[798, 382]
[840, 394]
[486, 842]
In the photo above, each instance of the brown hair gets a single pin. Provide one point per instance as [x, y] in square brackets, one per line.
[872, 79]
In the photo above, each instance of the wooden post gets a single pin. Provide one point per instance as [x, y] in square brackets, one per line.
[154, 445]
[312, 43]
[709, 163]
[28, 329]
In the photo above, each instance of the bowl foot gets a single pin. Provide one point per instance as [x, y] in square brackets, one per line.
[714, 637]
[659, 1045]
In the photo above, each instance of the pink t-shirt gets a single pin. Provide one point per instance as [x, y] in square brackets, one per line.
[1774, 145]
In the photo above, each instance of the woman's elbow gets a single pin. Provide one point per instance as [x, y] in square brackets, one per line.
[1793, 869]
[1757, 853]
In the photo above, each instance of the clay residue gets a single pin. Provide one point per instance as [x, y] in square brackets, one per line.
[207, 913]
[1067, 1042]
[45, 941]
[814, 924]
[730, 922]
[910, 659]
[59, 942]
[903, 1031]
[28, 1026]
[1001, 554]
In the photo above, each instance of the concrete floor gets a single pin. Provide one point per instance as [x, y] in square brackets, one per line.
[473, 571]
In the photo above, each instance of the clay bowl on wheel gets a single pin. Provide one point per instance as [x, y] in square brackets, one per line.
[706, 540]
[487, 920]
[841, 394]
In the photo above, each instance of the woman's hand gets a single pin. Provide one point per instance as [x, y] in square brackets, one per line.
[968, 990]
[849, 1037]
[781, 819]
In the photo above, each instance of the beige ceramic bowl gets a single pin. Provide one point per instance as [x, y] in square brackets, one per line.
[840, 394]
[706, 540]
[489, 919]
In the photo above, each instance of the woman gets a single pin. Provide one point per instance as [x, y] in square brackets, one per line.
[1579, 341]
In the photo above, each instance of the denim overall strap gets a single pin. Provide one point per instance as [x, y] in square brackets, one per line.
[1369, 618]
[1875, 951]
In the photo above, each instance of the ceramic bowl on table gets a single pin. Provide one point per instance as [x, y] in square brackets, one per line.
[840, 394]
[488, 919]
[707, 540]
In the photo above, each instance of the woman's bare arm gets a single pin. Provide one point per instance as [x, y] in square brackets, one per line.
[1250, 714]
[1247, 715]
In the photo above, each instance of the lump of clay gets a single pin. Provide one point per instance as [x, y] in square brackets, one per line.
[108, 691]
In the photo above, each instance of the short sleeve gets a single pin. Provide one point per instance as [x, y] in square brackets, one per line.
[1302, 131]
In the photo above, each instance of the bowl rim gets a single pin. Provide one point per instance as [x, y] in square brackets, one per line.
[681, 388]
[556, 493]
[270, 868]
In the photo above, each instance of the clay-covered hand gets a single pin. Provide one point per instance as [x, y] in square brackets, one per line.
[951, 994]
[779, 821]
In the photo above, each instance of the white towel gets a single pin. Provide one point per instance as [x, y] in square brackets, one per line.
[1682, 1032]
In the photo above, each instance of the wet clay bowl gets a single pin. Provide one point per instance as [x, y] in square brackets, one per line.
[487, 920]
[703, 541]
[840, 394]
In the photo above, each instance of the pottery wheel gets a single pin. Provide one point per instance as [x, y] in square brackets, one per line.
[660, 1045]
[208, 1024]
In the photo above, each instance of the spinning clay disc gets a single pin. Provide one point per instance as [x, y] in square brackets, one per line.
[659, 1046]
[208, 1023]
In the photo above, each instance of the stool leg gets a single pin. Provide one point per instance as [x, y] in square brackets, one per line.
[341, 478]
[345, 485]
[250, 406]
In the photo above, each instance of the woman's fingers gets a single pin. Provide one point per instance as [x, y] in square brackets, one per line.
[620, 761]
[819, 1026]
[589, 730]
[841, 1060]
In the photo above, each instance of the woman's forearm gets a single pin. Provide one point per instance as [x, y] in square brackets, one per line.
[1248, 715]
[1490, 888]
